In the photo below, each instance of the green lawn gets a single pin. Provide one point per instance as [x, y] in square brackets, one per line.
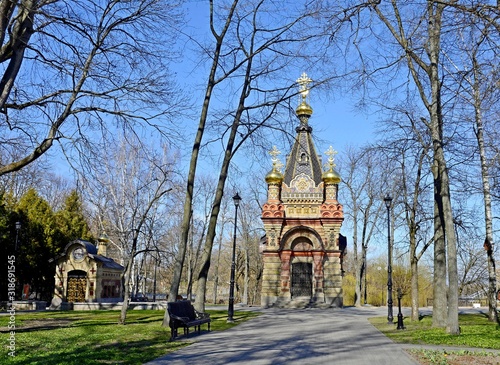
[94, 337]
[476, 331]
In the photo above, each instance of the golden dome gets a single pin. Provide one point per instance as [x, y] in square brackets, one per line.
[274, 177]
[331, 177]
[304, 109]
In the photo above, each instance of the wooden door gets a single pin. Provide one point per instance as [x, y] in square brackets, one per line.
[77, 286]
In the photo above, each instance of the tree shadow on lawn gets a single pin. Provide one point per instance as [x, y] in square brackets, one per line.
[47, 324]
[127, 353]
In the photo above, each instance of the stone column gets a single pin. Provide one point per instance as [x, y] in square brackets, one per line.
[332, 284]
[318, 293]
[270, 278]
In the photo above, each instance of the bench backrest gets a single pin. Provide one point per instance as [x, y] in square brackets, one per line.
[182, 308]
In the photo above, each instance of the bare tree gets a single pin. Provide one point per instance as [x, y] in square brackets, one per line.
[127, 194]
[408, 149]
[222, 225]
[250, 234]
[409, 59]
[479, 91]
[75, 68]
[361, 194]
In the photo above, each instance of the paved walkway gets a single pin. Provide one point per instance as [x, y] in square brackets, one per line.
[305, 337]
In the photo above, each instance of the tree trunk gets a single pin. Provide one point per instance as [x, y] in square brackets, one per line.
[445, 232]
[179, 262]
[216, 273]
[128, 276]
[441, 171]
[488, 220]
[360, 274]
[415, 315]
[357, 264]
[246, 280]
[207, 250]
[126, 292]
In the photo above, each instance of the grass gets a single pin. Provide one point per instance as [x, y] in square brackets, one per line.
[94, 337]
[476, 332]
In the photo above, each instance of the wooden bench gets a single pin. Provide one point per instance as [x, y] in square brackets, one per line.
[183, 315]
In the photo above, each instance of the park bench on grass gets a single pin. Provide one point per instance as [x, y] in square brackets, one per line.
[183, 315]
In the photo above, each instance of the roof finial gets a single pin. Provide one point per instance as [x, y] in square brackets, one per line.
[304, 110]
[330, 176]
[304, 82]
[331, 153]
[275, 176]
[277, 164]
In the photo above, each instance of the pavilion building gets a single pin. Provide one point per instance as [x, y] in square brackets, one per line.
[303, 248]
[84, 274]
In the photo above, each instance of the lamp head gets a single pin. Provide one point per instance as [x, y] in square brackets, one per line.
[236, 199]
[388, 201]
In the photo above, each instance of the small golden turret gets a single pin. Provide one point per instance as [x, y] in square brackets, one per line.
[275, 176]
[330, 176]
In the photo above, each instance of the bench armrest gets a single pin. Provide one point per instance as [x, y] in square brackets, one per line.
[182, 319]
[200, 315]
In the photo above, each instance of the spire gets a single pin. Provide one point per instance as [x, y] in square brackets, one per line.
[303, 158]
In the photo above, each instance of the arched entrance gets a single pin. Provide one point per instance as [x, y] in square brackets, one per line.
[301, 280]
[77, 286]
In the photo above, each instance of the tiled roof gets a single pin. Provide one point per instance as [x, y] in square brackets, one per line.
[303, 158]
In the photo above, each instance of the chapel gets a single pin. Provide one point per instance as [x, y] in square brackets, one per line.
[84, 273]
[303, 249]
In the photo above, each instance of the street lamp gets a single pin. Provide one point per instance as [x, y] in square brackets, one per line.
[390, 317]
[230, 310]
[18, 227]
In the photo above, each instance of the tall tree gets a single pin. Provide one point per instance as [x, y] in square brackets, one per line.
[425, 72]
[74, 68]
[479, 91]
[361, 196]
[71, 219]
[409, 56]
[408, 150]
[127, 194]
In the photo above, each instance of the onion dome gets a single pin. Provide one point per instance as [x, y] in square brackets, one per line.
[274, 176]
[304, 109]
[331, 177]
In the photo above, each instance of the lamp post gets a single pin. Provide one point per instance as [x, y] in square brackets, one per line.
[230, 310]
[401, 325]
[390, 317]
[18, 227]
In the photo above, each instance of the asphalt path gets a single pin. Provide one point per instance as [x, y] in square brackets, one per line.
[295, 336]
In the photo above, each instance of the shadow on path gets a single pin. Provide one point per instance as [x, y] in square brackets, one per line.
[308, 336]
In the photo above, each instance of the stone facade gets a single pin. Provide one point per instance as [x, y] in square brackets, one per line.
[85, 274]
[304, 250]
